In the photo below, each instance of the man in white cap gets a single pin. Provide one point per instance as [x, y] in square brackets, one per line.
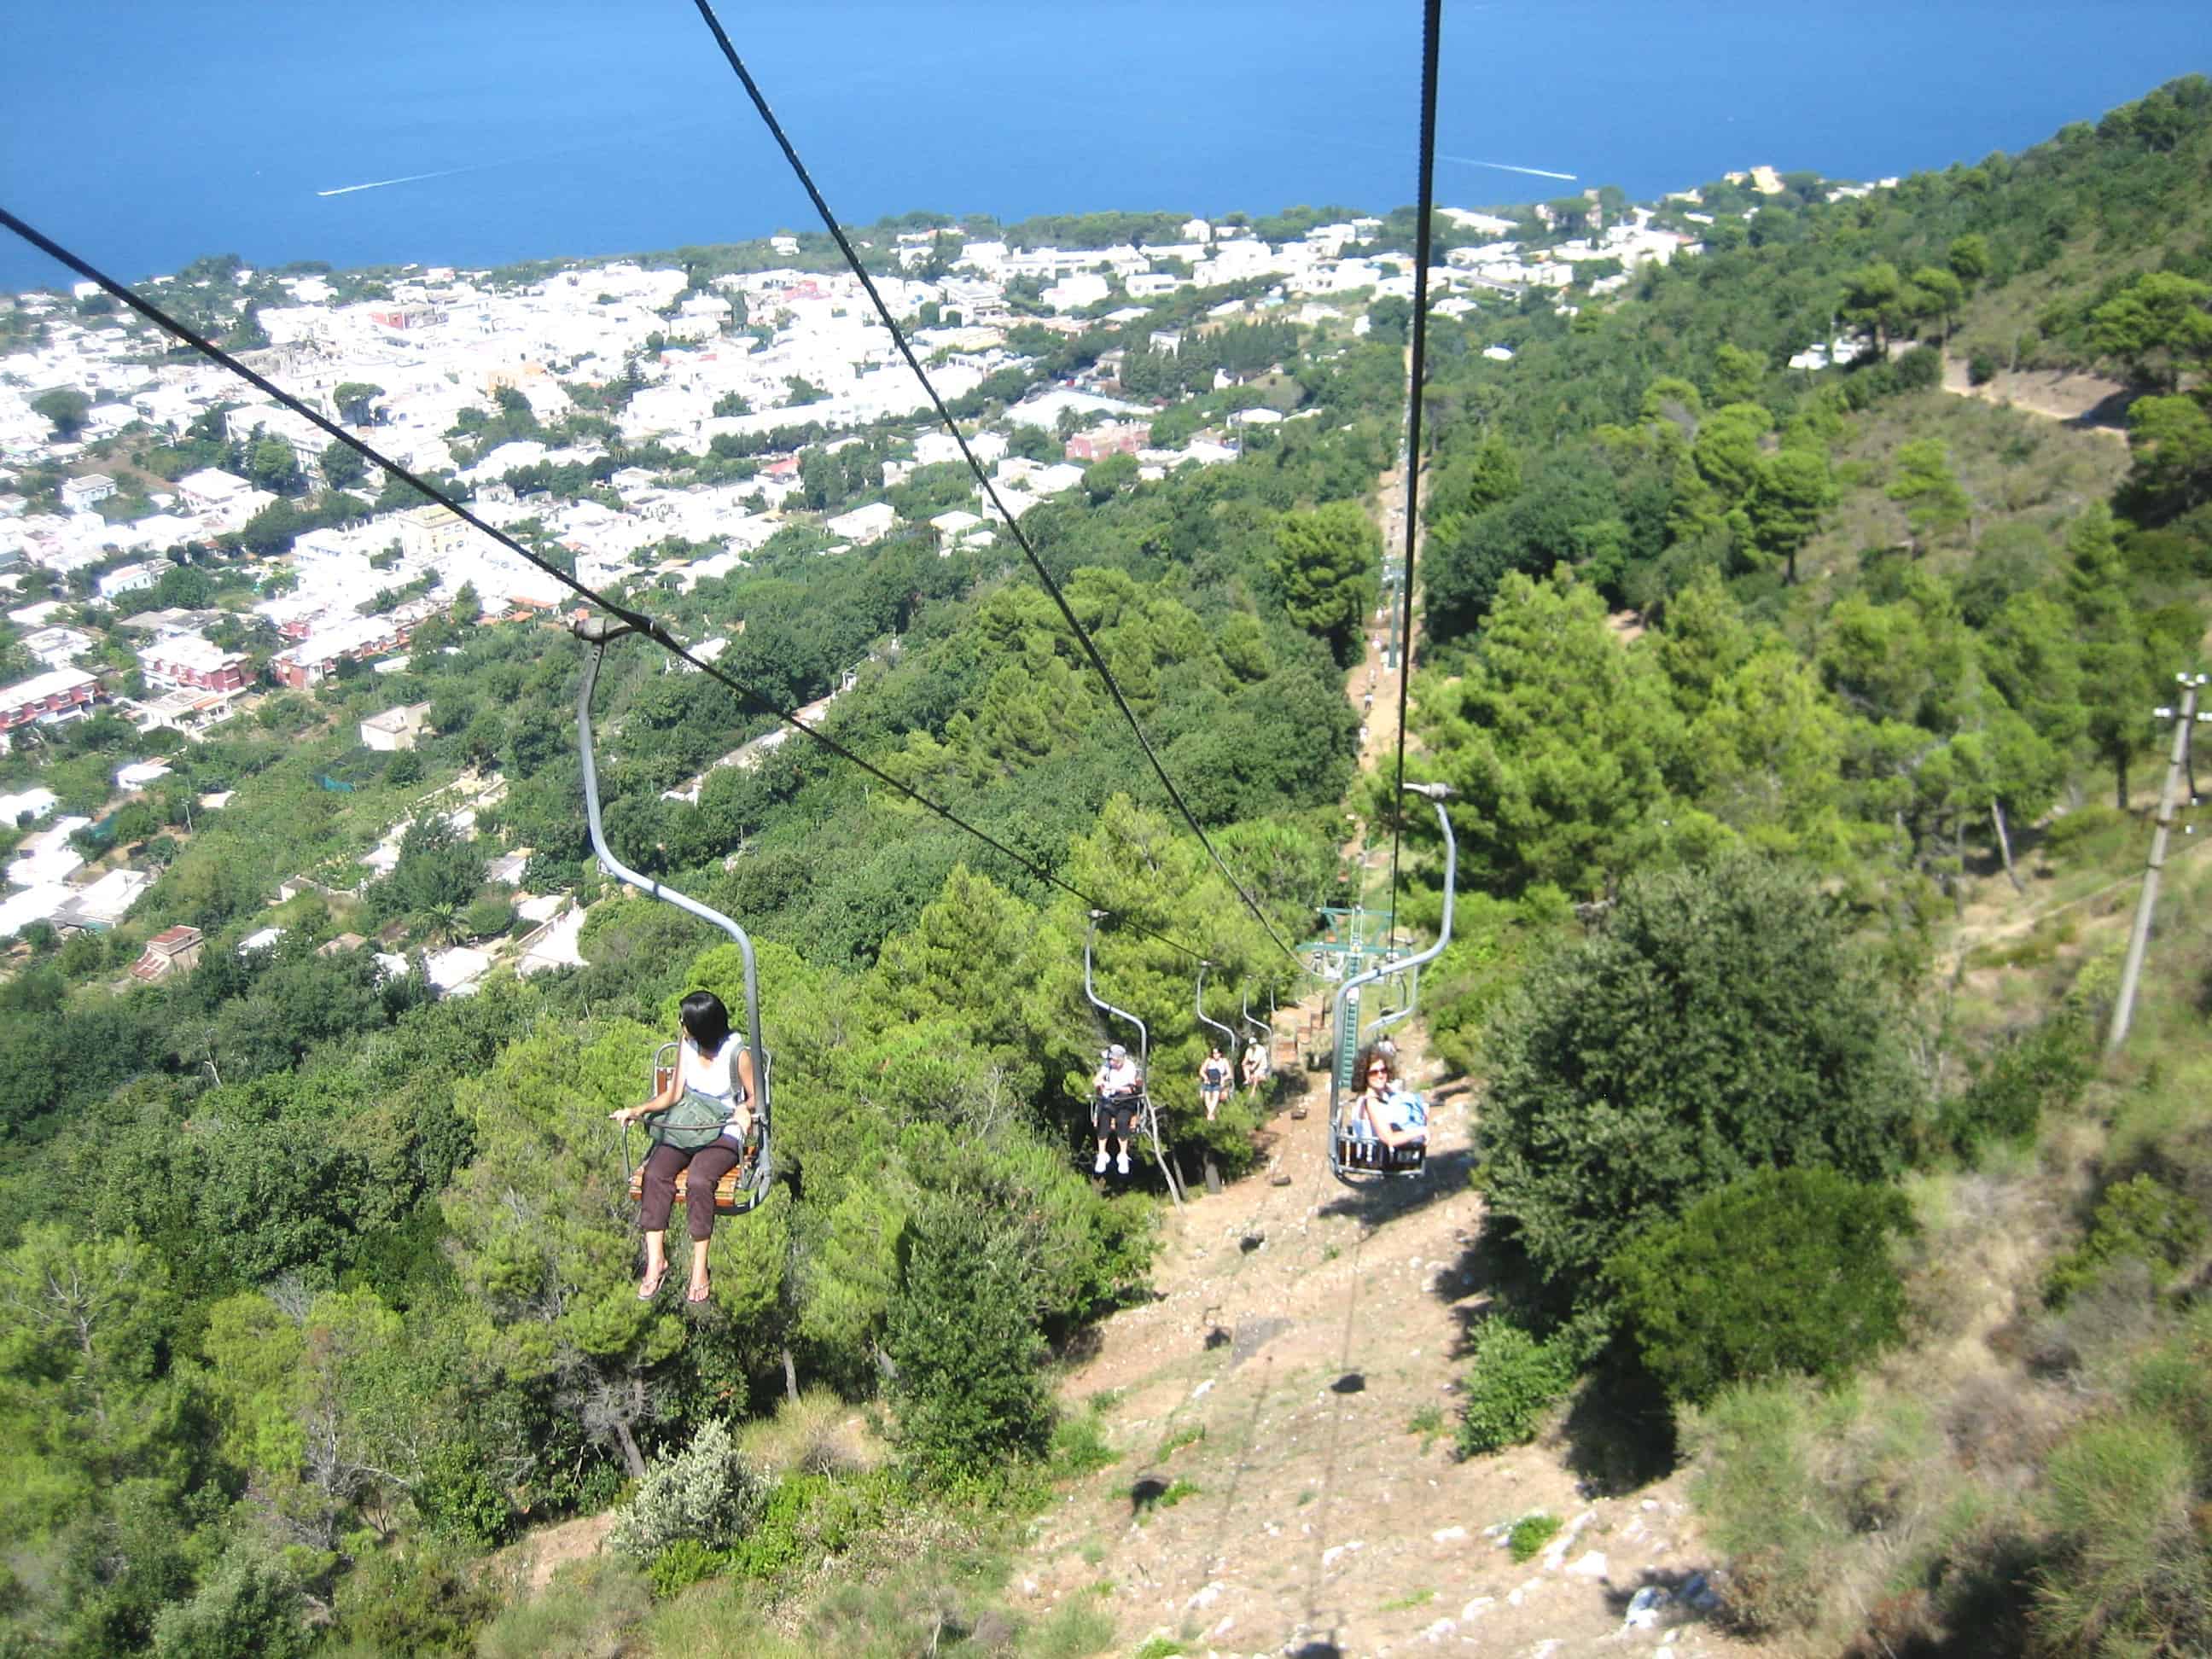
[1120, 1089]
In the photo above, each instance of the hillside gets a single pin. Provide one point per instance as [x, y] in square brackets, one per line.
[1788, 1238]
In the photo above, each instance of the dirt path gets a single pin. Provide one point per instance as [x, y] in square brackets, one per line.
[2090, 402]
[1272, 1495]
[1372, 685]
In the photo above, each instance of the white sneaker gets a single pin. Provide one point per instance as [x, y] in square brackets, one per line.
[1124, 1163]
[1099, 1168]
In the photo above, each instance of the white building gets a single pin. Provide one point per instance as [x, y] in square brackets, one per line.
[395, 728]
[79, 495]
[864, 524]
[127, 579]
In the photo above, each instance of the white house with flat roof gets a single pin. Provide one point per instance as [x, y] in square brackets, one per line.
[864, 523]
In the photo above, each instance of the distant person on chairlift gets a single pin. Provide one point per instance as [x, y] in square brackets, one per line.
[1213, 1080]
[1382, 1114]
[1120, 1087]
[1255, 1066]
[702, 1121]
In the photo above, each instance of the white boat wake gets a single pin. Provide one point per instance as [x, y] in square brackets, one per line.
[406, 178]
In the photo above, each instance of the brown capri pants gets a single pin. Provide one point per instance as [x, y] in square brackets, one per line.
[709, 1165]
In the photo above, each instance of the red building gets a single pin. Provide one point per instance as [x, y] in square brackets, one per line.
[64, 694]
[1099, 442]
[187, 662]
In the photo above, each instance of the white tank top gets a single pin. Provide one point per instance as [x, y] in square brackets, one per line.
[717, 1077]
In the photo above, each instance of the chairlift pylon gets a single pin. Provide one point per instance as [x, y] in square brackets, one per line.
[1351, 1159]
[744, 1187]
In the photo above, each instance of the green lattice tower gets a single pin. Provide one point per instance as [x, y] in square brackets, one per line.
[1347, 1047]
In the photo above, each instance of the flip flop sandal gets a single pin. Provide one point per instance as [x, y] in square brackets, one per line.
[701, 1293]
[651, 1288]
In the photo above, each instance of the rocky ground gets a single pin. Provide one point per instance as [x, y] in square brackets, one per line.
[1283, 1411]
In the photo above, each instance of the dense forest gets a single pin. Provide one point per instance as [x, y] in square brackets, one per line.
[318, 1288]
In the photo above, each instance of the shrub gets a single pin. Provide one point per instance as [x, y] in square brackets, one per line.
[816, 1433]
[1788, 1270]
[2139, 1219]
[1530, 1534]
[962, 1335]
[1763, 1504]
[2042, 1071]
[459, 1501]
[416, 1601]
[1516, 1380]
[1981, 368]
[248, 1606]
[678, 1566]
[1917, 370]
[1719, 1023]
[1076, 1629]
[703, 1493]
[1079, 1445]
[2130, 1572]
[588, 1612]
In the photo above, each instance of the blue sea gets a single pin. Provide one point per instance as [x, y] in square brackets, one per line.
[145, 134]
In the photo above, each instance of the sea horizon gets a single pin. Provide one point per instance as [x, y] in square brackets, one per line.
[407, 133]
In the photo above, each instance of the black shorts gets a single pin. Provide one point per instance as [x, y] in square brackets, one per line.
[1117, 1115]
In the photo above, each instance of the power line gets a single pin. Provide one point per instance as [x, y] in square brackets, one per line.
[651, 627]
[1431, 28]
[906, 349]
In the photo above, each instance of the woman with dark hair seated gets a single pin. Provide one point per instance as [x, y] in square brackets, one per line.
[704, 1122]
[1383, 1114]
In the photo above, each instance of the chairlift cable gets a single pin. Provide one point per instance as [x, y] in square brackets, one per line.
[906, 350]
[649, 627]
[1423, 212]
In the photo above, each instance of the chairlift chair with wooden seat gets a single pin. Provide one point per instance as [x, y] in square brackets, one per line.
[744, 1187]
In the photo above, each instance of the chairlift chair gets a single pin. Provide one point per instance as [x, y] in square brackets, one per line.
[1258, 1033]
[1148, 1121]
[744, 1187]
[1228, 1036]
[1351, 1158]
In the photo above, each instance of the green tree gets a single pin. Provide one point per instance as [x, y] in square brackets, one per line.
[1104, 480]
[2119, 676]
[1786, 1270]
[1873, 300]
[1793, 491]
[1717, 1022]
[2156, 327]
[1936, 292]
[466, 609]
[1727, 450]
[1736, 374]
[66, 407]
[271, 465]
[1936, 506]
[1968, 258]
[342, 468]
[546, 1239]
[1326, 564]
[963, 1338]
[1557, 739]
[2171, 440]
[354, 400]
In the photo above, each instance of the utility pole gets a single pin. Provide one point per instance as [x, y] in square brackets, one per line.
[2184, 719]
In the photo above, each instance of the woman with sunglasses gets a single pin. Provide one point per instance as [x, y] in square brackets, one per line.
[1384, 1114]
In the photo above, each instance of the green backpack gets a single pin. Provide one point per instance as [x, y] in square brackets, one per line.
[693, 1121]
